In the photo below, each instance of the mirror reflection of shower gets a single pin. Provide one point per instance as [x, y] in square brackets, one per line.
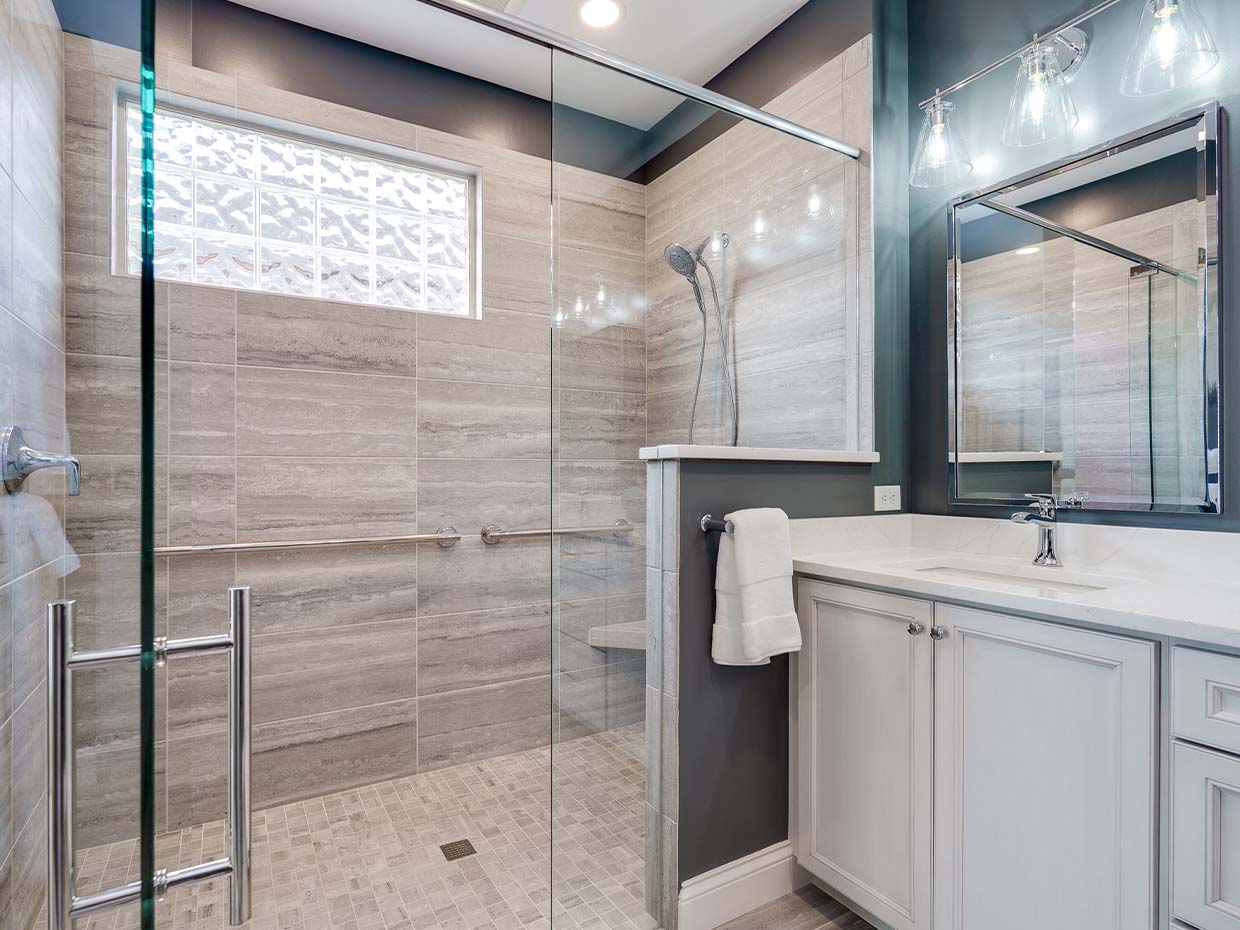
[685, 263]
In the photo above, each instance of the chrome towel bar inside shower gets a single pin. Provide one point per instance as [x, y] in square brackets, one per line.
[446, 536]
[493, 534]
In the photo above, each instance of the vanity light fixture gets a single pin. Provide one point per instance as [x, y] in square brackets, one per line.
[600, 14]
[1041, 107]
[1173, 47]
[940, 157]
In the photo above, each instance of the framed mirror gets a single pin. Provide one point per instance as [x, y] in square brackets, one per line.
[1084, 328]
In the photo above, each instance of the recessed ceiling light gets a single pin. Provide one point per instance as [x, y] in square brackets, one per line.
[599, 14]
[1030, 250]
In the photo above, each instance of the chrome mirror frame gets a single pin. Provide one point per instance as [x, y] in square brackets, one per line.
[1212, 119]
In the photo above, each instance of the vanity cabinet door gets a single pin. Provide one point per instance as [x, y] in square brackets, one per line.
[864, 740]
[1045, 776]
[1205, 838]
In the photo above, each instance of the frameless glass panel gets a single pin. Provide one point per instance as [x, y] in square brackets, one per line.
[77, 520]
[712, 282]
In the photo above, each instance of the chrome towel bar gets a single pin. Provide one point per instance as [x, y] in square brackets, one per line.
[446, 536]
[711, 525]
[63, 904]
[493, 534]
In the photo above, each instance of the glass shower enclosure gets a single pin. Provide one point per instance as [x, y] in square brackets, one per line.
[355, 619]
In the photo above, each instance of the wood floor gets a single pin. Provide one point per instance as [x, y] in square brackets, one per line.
[807, 909]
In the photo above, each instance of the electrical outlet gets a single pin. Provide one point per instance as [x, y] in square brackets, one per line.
[887, 497]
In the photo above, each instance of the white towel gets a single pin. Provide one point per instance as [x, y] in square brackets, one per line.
[755, 617]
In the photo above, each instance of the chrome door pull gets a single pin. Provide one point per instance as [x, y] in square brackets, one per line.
[63, 904]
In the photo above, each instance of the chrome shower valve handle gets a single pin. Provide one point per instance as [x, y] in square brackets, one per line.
[19, 462]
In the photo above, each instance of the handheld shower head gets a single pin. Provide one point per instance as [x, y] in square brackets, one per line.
[681, 260]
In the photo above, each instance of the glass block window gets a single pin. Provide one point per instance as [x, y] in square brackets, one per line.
[241, 207]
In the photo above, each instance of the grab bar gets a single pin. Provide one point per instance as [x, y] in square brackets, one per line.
[493, 534]
[446, 536]
[63, 904]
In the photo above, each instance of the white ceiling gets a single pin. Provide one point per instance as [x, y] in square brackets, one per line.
[689, 39]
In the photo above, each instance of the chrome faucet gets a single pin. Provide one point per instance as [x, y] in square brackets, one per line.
[1047, 506]
[18, 462]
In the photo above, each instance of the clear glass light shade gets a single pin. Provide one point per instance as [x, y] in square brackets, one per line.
[1041, 107]
[940, 157]
[1173, 48]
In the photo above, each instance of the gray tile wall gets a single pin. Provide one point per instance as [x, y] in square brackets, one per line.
[369, 663]
[1057, 355]
[33, 557]
[797, 276]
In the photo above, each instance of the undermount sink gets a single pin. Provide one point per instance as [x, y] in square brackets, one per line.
[1031, 578]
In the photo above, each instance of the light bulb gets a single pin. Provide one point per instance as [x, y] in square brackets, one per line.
[1173, 47]
[600, 14]
[940, 157]
[1041, 108]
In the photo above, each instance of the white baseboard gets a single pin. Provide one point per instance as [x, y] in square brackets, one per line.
[736, 888]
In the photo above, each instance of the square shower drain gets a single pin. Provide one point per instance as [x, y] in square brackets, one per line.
[457, 849]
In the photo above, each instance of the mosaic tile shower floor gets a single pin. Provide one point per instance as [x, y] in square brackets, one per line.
[369, 858]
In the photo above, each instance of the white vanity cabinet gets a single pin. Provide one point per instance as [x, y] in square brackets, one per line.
[1045, 776]
[864, 734]
[1030, 747]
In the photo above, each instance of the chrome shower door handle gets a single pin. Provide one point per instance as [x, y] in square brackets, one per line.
[64, 905]
[240, 810]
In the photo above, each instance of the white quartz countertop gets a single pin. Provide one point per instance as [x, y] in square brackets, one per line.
[974, 563]
[754, 454]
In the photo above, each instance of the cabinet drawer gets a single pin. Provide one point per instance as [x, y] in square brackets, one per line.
[1205, 838]
[1205, 695]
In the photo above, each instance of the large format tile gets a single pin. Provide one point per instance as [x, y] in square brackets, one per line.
[594, 700]
[600, 425]
[29, 748]
[473, 576]
[290, 499]
[504, 347]
[471, 493]
[103, 397]
[575, 619]
[108, 796]
[104, 517]
[768, 337]
[103, 311]
[458, 651]
[306, 590]
[463, 420]
[798, 408]
[610, 358]
[202, 324]
[288, 332]
[6, 665]
[516, 274]
[305, 413]
[202, 500]
[597, 493]
[39, 292]
[611, 286]
[479, 723]
[300, 674]
[202, 409]
[28, 599]
[6, 797]
[6, 227]
[599, 213]
[38, 396]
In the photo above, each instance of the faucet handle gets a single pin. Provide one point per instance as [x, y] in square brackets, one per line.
[1046, 504]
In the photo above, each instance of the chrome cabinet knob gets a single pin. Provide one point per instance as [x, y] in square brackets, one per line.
[938, 632]
[916, 629]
